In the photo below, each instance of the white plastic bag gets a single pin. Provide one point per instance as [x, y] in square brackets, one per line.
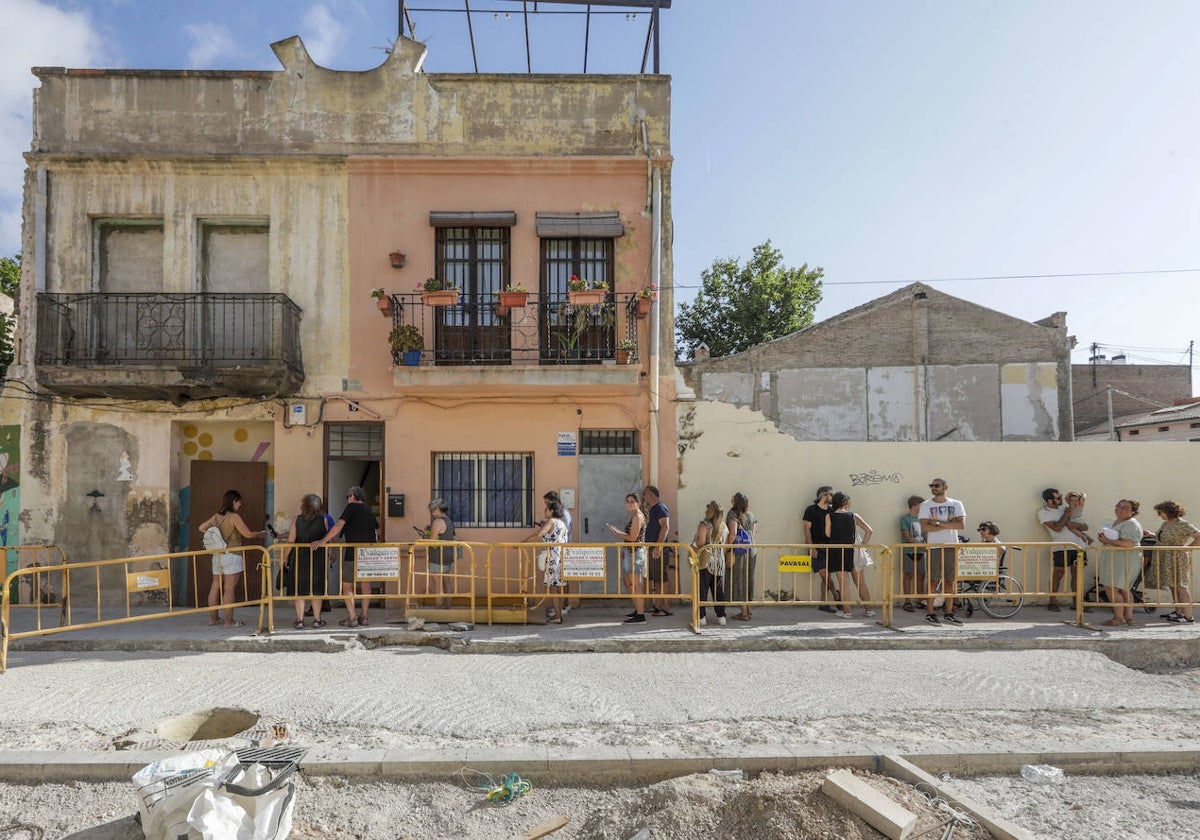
[864, 558]
[168, 787]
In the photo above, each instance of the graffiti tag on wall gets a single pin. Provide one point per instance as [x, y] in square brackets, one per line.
[870, 479]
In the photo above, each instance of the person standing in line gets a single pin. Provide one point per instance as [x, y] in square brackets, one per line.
[814, 536]
[1174, 568]
[440, 559]
[1056, 518]
[709, 544]
[841, 532]
[1118, 569]
[356, 525]
[658, 529]
[554, 531]
[227, 566]
[633, 558]
[743, 566]
[941, 520]
[552, 496]
[912, 581]
[304, 568]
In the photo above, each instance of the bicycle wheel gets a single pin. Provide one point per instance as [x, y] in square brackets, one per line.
[1001, 598]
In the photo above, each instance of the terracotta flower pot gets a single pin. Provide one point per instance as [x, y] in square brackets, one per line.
[587, 297]
[385, 305]
[513, 300]
[624, 357]
[445, 297]
[397, 259]
[643, 307]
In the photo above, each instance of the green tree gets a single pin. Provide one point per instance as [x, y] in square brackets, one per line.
[739, 306]
[10, 284]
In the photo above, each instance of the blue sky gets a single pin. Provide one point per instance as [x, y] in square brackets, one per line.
[885, 140]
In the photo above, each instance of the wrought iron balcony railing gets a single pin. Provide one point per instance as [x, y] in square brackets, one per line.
[205, 335]
[548, 330]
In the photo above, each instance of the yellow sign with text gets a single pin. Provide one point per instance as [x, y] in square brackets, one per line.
[793, 563]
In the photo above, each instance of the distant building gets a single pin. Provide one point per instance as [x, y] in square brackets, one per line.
[1136, 389]
[1174, 422]
[914, 365]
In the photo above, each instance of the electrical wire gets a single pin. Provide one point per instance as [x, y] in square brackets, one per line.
[509, 789]
[1069, 275]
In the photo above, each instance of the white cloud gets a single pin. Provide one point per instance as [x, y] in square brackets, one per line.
[44, 37]
[323, 35]
[210, 42]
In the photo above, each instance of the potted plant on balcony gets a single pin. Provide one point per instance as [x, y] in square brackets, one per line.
[397, 259]
[582, 293]
[627, 351]
[513, 296]
[438, 292]
[384, 300]
[407, 343]
[645, 298]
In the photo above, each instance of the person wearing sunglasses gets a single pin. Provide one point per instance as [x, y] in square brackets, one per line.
[941, 520]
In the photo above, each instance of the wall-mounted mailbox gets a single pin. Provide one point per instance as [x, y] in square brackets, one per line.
[395, 504]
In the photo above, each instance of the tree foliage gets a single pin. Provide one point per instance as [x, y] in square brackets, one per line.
[10, 284]
[739, 306]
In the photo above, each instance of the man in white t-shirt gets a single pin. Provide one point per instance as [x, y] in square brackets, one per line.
[1057, 518]
[941, 520]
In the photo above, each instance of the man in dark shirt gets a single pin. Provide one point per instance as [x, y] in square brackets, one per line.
[658, 529]
[357, 525]
[814, 535]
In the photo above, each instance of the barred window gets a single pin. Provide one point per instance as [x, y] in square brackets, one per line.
[608, 442]
[486, 489]
[354, 441]
[590, 259]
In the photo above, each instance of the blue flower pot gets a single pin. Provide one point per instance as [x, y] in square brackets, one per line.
[412, 358]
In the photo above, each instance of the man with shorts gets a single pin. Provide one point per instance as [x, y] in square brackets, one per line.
[658, 529]
[356, 525]
[913, 558]
[941, 519]
[1056, 518]
[814, 536]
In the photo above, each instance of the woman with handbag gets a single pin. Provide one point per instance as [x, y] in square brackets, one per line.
[304, 568]
[227, 566]
[741, 562]
[633, 558]
[709, 545]
[553, 531]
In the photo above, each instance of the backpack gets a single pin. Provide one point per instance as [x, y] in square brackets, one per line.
[213, 540]
[741, 541]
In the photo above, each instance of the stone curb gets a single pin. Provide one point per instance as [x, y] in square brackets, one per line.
[638, 765]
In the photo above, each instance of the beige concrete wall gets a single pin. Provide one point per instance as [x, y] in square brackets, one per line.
[730, 449]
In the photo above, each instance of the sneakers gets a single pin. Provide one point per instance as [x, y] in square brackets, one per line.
[953, 619]
[1176, 618]
[566, 609]
[845, 615]
[703, 621]
[869, 613]
[1172, 616]
[722, 622]
[636, 618]
[631, 614]
[932, 619]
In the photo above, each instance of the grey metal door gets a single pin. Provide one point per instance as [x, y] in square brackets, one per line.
[603, 482]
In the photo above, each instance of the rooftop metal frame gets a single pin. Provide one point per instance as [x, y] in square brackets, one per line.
[507, 7]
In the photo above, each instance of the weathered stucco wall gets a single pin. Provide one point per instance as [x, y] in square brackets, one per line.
[307, 109]
[913, 365]
[726, 449]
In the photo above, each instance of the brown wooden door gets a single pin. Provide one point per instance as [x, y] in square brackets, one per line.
[210, 480]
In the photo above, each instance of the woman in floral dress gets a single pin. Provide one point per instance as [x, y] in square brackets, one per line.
[553, 531]
[1173, 569]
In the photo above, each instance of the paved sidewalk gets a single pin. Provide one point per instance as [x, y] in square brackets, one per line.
[600, 628]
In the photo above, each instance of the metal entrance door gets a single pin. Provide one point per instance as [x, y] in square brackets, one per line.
[604, 479]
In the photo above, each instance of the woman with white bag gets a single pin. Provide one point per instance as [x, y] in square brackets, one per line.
[841, 530]
[227, 566]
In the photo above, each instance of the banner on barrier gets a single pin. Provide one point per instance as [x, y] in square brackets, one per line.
[151, 579]
[793, 563]
[978, 561]
[377, 563]
[584, 563]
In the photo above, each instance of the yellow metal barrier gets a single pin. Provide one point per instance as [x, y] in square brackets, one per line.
[1154, 578]
[39, 590]
[82, 604]
[797, 575]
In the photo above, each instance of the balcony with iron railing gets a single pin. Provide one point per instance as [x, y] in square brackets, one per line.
[549, 332]
[175, 346]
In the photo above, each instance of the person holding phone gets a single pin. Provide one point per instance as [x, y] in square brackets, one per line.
[633, 558]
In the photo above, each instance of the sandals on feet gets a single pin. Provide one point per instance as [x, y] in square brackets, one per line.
[362, 622]
[299, 624]
[909, 608]
[348, 622]
[319, 623]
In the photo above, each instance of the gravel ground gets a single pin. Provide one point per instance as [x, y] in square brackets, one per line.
[699, 702]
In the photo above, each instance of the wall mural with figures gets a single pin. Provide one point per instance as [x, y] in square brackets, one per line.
[10, 494]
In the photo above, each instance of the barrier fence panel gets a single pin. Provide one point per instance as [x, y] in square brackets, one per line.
[445, 576]
[795, 575]
[518, 575]
[104, 593]
[39, 590]
[1140, 581]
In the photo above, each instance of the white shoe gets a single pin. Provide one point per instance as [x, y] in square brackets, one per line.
[869, 613]
[566, 610]
[721, 620]
[703, 621]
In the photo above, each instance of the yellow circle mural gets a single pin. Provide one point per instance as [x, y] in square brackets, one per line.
[190, 448]
[240, 435]
[204, 456]
[190, 430]
[206, 439]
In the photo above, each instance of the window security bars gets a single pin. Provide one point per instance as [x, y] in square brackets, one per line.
[486, 489]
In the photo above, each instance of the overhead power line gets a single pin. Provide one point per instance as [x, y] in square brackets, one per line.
[995, 277]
